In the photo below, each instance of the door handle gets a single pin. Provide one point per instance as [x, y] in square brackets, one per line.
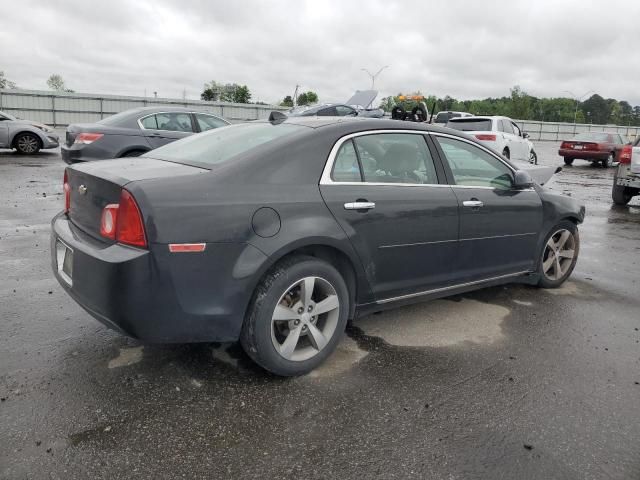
[359, 205]
[473, 203]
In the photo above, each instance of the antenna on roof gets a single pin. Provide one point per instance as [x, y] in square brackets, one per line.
[276, 117]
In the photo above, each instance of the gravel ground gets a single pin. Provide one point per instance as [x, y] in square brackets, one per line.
[507, 382]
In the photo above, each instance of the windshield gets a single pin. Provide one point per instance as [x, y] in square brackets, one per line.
[219, 145]
[592, 137]
[471, 124]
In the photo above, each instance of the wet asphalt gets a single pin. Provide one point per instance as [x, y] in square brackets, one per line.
[509, 382]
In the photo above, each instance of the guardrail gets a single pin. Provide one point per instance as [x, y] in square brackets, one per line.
[556, 131]
[59, 109]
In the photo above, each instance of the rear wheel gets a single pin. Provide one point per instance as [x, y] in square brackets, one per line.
[297, 316]
[559, 254]
[568, 161]
[27, 144]
[133, 153]
[505, 153]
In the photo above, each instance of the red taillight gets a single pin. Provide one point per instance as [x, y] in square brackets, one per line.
[486, 136]
[566, 145]
[122, 222]
[625, 154]
[87, 138]
[67, 193]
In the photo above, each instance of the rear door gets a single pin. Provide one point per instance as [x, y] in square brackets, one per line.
[163, 128]
[499, 225]
[384, 190]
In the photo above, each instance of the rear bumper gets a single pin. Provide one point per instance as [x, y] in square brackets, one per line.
[582, 154]
[72, 155]
[156, 296]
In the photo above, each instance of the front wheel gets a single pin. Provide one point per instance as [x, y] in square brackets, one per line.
[533, 158]
[559, 254]
[297, 316]
[621, 195]
[27, 144]
[608, 162]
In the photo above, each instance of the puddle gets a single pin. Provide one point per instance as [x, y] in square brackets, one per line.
[440, 323]
[345, 356]
[128, 356]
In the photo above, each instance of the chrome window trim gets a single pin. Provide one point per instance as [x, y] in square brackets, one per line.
[188, 113]
[326, 179]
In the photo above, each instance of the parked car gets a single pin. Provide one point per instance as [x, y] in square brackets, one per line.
[595, 147]
[25, 136]
[626, 181]
[443, 117]
[356, 106]
[134, 132]
[501, 134]
[276, 233]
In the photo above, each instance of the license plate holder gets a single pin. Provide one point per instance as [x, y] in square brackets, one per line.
[577, 147]
[64, 260]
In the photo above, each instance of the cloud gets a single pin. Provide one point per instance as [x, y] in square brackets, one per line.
[463, 49]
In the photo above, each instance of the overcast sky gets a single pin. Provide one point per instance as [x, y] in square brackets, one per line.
[466, 49]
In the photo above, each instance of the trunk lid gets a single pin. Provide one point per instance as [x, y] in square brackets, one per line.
[94, 185]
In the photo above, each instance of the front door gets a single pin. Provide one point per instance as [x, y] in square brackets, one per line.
[384, 190]
[4, 132]
[499, 225]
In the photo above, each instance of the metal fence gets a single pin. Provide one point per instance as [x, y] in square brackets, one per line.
[59, 109]
[554, 131]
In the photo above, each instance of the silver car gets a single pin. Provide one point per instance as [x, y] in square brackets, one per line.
[25, 136]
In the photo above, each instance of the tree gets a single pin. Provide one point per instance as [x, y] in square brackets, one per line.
[231, 92]
[596, 108]
[56, 82]
[287, 101]
[5, 82]
[241, 94]
[307, 98]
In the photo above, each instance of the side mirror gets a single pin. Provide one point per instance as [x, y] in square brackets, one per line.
[522, 179]
[525, 135]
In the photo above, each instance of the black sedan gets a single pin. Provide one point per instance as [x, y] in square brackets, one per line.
[277, 233]
[134, 132]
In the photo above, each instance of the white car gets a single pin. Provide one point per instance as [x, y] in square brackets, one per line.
[501, 134]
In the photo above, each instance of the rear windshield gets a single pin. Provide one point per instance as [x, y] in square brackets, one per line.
[471, 124]
[221, 144]
[114, 120]
[592, 137]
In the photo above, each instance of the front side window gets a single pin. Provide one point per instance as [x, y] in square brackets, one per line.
[395, 158]
[207, 122]
[505, 126]
[328, 112]
[344, 111]
[174, 121]
[472, 166]
[516, 129]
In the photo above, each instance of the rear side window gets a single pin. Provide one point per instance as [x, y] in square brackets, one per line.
[174, 121]
[471, 125]
[328, 112]
[345, 166]
[149, 123]
[342, 110]
[395, 158]
[472, 166]
[221, 144]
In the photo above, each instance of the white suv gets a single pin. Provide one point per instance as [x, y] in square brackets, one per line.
[498, 133]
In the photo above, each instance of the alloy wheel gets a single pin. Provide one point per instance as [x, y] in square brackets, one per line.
[305, 319]
[558, 254]
[609, 161]
[533, 158]
[28, 144]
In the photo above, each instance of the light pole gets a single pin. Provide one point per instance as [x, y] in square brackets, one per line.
[372, 75]
[578, 100]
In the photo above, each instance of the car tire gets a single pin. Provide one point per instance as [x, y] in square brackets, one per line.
[27, 144]
[554, 263]
[533, 158]
[505, 153]
[621, 195]
[568, 161]
[608, 162]
[295, 346]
